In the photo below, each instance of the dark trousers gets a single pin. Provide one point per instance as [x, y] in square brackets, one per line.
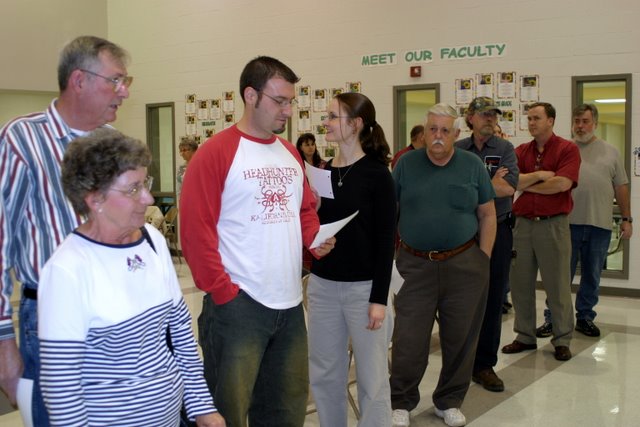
[455, 289]
[489, 340]
[255, 361]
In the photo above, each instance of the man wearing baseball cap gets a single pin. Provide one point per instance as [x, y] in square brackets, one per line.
[499, 158]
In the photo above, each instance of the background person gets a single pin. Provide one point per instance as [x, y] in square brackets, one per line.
[188, 147]
[308, 150]
[35, 215]
[417, 141]
[602, 176]
[348, 289]
[500, 161]
[549, 167]
[447, 225]
[107, 361]
[250, 210]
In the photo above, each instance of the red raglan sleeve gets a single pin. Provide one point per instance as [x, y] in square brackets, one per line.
[308, 216]
[200, 204]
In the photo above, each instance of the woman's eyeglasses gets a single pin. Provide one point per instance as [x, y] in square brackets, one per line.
[135, 191]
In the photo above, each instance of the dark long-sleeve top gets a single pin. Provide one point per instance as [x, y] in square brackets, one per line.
[365, 246]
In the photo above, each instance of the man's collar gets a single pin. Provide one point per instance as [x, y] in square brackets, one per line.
[490, 142]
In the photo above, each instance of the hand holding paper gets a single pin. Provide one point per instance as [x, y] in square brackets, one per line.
[319, 180]
[329, 230]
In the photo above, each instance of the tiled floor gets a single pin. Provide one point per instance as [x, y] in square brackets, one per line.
[598, 387]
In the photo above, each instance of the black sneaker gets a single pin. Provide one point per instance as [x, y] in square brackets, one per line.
[544, 331]
[587, 327]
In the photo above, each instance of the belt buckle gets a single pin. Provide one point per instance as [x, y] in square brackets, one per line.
[433, 253]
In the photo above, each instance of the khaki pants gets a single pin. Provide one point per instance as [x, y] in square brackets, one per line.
[543, 245]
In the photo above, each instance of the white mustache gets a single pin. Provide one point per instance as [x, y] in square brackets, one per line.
[437, 141]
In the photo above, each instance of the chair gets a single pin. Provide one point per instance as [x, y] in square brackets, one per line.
[352, 378]
[169, 231]
[153, 215]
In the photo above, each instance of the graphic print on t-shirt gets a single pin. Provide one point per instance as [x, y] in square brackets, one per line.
[492, 163]
[274, 193]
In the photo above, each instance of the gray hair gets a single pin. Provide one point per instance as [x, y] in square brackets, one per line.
[446, 110]
[189, 143]
[93, 162]
[583, 108]
[83, 53]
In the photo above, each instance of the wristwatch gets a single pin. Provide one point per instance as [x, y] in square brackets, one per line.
[627, 218]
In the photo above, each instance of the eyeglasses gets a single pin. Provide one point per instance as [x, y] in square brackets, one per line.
[135, 191]
[117, 82]
[282, 102]
[332, 116]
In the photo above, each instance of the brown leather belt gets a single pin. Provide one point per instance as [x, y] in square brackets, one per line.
[438, 255]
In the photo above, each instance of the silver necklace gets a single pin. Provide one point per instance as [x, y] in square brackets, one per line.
[340, 177]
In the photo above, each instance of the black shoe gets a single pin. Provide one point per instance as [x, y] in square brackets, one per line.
[518, 347]
[506, 306]
[587, 327]
[488, 379]
[562, 353]
[544, 331]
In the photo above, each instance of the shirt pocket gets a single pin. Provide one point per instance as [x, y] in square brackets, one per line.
[463, 197]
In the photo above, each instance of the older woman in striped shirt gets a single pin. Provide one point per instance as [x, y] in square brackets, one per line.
[116, 343]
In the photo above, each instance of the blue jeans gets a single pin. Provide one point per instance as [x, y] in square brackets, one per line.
[255, 361]
[30, 353]
[590, 245]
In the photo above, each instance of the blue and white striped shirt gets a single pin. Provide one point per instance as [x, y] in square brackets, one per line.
[35, 215]
[102, 323]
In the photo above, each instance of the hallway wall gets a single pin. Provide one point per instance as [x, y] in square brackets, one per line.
[200, 46]
[34, 31]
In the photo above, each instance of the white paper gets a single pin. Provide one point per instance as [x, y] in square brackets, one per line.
[329, 230]
[319, 180]
[23, 396]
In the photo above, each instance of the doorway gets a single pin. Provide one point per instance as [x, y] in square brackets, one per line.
[611, 94]
[410, 104]
[160, 139]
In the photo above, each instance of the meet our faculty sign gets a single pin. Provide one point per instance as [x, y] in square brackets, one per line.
[422, 56]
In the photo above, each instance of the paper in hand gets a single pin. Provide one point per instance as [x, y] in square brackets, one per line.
[330, 230]
[24, 398]
[319, 180]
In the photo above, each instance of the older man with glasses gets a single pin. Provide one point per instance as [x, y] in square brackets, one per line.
[35, 215]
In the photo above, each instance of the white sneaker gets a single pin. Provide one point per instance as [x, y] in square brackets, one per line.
[400, 418]
[452, 417]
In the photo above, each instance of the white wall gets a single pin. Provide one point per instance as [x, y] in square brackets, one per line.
[200, 46]
[34, 31]
[17, 103]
